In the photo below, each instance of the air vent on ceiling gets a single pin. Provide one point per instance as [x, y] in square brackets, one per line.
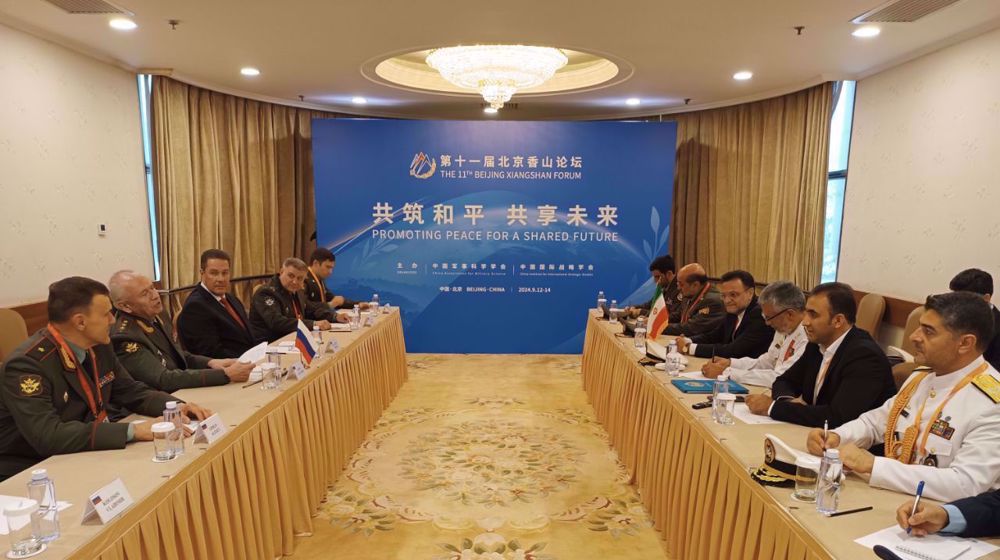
[88, 7]
[903, 11]
[506, 106]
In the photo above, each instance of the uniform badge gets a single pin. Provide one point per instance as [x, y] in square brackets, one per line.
[31, 385]
[65, 396]
[131, 347]
[704, 311]
[931, 461]
[988, 385]
[269, 301]
[145, 328]
[939, 428]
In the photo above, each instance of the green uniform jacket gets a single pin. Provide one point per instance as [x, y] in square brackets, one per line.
[314, 293]
[672, 296]
[44, 410]
[272, 315]
[149, 353]
[706, 315]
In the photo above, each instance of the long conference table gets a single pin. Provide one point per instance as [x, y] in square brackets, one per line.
[251, 493]
[693, 474]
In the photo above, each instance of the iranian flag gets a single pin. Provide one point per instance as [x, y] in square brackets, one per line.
[659, 318]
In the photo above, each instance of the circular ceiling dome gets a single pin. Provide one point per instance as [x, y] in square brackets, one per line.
[583, 71]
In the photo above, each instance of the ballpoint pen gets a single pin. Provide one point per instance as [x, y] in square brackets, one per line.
[916, 501]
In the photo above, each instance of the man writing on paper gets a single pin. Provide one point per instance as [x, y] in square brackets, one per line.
[145, 343]
[702, 310]
[55, 386]
[213, 322]
[842, 374]
[742, 332]
[782, 306]
[664, 278]
[944, 425]
[280, 304]
[321, 264]
[978, 516]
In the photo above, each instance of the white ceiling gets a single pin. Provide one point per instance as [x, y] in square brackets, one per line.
[676, 50]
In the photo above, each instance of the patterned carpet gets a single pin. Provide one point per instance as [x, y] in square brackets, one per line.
[485, 458]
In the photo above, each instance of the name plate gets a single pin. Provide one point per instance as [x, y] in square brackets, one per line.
[109, 502]
[210, 429]
[297, 371]
[332, 346]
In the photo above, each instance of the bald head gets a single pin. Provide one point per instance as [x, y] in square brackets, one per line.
[691, 278]
[135, 294]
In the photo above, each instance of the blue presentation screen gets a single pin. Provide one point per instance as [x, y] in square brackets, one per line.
[493, 237]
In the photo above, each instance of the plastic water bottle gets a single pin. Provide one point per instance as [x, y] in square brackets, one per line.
[673, 361]
[43, 490]
[640, 333]
[601, 300]
[721, 385]
[828, 482]
[318, 338]
[375, 302]
[614, 311]
[356, 318]
[173, 415]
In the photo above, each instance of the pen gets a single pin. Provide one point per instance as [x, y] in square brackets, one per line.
[846, 511]
[253, 383]
[826, 427]
[916, 500]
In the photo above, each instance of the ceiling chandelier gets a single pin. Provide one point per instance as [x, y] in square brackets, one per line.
[497, 72]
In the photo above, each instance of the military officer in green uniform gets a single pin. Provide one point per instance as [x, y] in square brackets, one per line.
[145, 344]
[55, 387]
[278, 306]
[703, 309]
[321, 264]
[662, 269]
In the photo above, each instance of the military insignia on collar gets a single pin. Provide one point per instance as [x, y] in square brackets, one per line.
[41, 349]
[269, 301]
[146, 328]
[131, 347]
[68, 361]
[30, 385]
[704, 311]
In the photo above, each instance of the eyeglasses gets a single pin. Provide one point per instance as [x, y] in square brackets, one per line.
[773, 317]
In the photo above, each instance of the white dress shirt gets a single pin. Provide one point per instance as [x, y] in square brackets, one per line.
[739, 319]
[968, 463]
[764, 369]
[217, 298]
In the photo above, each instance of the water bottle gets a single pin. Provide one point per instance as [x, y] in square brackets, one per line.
[601, 300]
[375, 302]
[721, 385]
[43, 490]
[828, 482]
[173, 415]
[356, 318]
[614, 311]
[318, 338]
[640, 333]
[673, 360]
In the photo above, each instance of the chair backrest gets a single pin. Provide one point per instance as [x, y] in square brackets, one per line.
[870, 312]
[13, 331]
[912, 322]
[901, 372]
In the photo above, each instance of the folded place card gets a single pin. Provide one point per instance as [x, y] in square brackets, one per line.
[210, 429]
[297, 371]
[109, 502]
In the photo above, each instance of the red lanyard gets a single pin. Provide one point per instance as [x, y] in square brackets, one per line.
[687, 312]
[96, 406]
[322, 290]
[295, 306]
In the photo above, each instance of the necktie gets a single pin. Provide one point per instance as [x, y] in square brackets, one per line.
[232, 312]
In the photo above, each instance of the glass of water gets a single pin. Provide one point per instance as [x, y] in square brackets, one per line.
[22, 525]
[270, 376]
[806, 471]
[164, 437]
[725, 409]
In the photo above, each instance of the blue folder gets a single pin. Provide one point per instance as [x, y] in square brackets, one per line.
[701, 387]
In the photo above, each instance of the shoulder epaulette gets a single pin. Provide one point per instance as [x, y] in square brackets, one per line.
[989, 386]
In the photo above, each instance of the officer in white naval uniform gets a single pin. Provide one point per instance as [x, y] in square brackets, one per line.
[782, 304]
[944, 425]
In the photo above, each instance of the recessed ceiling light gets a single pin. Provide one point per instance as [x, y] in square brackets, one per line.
[490, 110]
[633, 101]
[122, 24]
[359, 100]
[866, 31]
[249, 71]
[743, 75]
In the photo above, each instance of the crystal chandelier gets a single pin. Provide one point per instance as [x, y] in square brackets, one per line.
[497, 72]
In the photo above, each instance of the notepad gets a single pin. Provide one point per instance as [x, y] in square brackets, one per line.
[931, 547]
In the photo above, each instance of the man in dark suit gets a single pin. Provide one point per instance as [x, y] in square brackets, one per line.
[976, 516]
[842, 374]
[213, 322]
[743, 332]
[279, 305]
[144, 343]
[702, 310]
[663, 270]
[321, 264]
[981, 282]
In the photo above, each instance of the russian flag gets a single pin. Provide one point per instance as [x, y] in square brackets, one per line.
[304, 343]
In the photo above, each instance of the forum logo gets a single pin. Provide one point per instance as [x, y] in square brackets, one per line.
[422, 166]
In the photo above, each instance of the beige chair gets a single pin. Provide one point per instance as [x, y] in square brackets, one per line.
[900, 372]
[13, 331]
[870, 312]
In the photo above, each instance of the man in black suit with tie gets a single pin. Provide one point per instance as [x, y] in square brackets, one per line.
[842, 374]
[213, 322]
[980, 282]
[743, 332]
